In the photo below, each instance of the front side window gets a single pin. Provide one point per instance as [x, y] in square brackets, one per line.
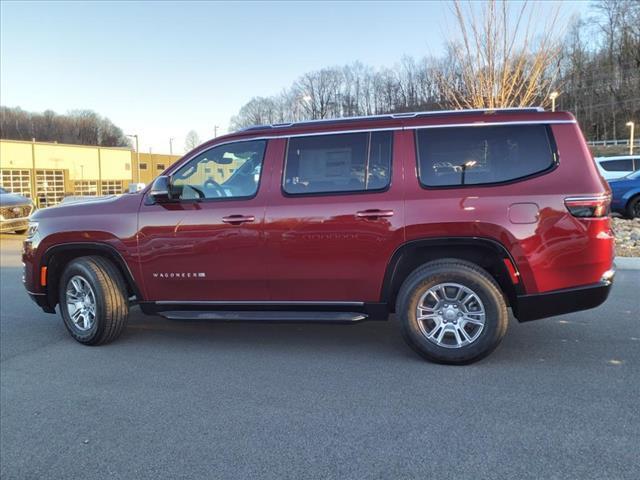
[455, 156]
[227, 171]
[352, 162]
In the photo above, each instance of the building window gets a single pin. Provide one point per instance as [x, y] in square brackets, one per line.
[143, 166]
[16, 181]
[111, 187]
[85, 187]
[482, 155]
[49, 187]
[353, 162]
[160, 167]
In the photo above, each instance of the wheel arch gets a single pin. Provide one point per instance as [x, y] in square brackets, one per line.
[634, 195]
[484, 252]
[57, 257]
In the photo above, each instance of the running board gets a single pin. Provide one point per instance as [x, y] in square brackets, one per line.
[268, 316]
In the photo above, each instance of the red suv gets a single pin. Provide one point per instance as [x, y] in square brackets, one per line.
[447, 219]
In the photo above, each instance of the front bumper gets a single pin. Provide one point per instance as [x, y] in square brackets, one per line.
[13, 224]
[42, 300]
[559, 302]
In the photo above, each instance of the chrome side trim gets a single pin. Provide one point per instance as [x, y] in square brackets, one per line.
[588, 198]
[254, 302]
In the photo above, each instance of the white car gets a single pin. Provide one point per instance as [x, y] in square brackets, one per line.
[618, 167]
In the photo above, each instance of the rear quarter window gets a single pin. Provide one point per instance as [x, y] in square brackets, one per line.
[623, 165]
[456, 156]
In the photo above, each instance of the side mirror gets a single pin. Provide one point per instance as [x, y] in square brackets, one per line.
[160, 190]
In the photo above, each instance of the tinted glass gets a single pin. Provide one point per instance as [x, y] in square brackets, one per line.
[481, 155]
[624, 165]
[338, 163]
[228, 171]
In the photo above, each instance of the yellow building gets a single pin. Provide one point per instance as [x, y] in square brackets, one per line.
[48, 172]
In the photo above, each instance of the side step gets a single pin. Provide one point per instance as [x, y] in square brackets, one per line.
[267, 316]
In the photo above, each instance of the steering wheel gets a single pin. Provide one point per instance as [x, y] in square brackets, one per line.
[210, 183]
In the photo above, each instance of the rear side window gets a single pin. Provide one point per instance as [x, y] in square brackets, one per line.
[624, 165]
[482, 155]
[353, 162]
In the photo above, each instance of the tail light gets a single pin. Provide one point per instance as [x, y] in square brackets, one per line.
[589, 206]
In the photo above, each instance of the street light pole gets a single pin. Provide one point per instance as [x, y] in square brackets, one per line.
[553, 97]
[137, 155]
[171, 145]
[632, 126]
[215, 131]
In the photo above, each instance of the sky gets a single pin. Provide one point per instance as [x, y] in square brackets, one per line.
[160, 69]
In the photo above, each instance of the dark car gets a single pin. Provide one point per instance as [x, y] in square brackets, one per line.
[14, 212]
[447, 219]
[626, 195]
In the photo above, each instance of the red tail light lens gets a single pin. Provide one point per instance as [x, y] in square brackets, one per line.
[588, 207]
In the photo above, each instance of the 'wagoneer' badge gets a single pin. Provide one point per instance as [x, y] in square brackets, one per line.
[179, 275]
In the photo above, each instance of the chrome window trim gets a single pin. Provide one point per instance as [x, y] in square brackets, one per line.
[490, 124]
[179, 164]
[395, 116]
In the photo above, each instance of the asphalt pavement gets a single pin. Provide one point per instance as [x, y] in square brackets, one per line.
[560, 398]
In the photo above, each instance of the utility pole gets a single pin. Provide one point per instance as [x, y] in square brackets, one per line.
[171, 145]
[553, 97]
[137, 154]
[215, 131]
[632, 126]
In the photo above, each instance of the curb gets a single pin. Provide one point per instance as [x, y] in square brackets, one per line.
[627, 263]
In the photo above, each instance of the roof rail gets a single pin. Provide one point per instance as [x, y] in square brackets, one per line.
[396, 116]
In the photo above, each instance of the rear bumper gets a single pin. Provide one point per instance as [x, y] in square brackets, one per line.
[559, 302]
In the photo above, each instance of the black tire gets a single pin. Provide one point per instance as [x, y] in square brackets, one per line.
[633, 208]
[21, 232]
[470, 276]
[111, 304]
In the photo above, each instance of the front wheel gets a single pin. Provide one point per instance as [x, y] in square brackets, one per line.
[93, 300]
[452, 311]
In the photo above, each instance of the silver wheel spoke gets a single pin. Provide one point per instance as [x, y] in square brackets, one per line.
[81, 303]
[450, 315]
[465, 335]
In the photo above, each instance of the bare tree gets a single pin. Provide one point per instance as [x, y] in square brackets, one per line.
[192, 140]
[498, 62]
[81, 127]
[502, 61]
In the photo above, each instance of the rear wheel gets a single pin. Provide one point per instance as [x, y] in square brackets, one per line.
[633, 207]
[93, 300]
[452, 311]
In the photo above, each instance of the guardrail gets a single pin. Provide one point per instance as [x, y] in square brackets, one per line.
[613, 143]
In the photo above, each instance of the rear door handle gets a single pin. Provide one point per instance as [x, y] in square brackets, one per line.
[238, 219]
[374, 213]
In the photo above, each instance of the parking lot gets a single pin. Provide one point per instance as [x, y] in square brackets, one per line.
[560, 398]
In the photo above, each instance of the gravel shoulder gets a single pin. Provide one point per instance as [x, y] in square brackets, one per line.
[627, 234]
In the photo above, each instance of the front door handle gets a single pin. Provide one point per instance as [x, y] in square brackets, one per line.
[238, 219]
[374, 213]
